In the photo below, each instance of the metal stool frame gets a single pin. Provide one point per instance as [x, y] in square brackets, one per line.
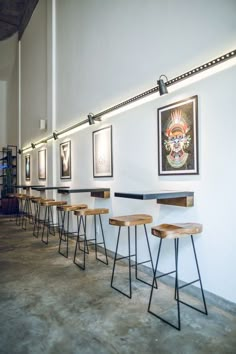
[48, 223]
[82, 222]
[129, 294]
[177, 287]
[64, 233]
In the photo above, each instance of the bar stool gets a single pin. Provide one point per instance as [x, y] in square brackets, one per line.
[175, 232]
[82, 222]
[129, 221]
[64, 225]
[48, 222]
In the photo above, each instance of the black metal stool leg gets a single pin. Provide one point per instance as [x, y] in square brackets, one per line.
[103, 237]
[177, 287]
[24, 216]
[63, 235]
[30, 213]
[176, 250]
[129, 294]
[51, 225]
[200, 280]
[39, 222]
[45, 224]
[130, 287]
[78, 241]
[35, 219]
[99, 243]
[136, 256]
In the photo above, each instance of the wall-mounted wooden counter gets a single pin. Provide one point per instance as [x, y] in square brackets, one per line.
[177, 198]
[95, 192]
[28, 186]
[43, 188]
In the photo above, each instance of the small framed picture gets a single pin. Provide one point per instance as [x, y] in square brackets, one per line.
[42, 164]
[178, 138]
[65, 160]
[102, 153]
[27, 167]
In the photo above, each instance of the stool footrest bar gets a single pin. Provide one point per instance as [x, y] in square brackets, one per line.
[192, 282]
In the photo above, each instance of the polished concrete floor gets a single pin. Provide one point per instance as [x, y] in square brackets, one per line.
[49, 305]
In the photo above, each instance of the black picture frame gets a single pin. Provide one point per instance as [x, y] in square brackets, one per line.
[102, 153]
[178, 138]
[65, 160]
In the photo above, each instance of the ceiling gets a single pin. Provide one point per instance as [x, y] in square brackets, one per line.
[14, 16]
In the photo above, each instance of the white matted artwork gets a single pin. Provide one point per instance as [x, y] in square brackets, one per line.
[102, 153]
[65, 160]
[27, 167]
[42, 164]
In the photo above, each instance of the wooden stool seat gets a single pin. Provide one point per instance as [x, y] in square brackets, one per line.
[50, 203]
[72, 207]
[85, 212]
[177, 230]
[40, 200]
[20, 196]
[131, 220]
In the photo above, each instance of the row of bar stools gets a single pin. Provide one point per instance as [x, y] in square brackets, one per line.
[64, 225]
[48, 222]
[82, 234]
[175, 232]
[129, 221]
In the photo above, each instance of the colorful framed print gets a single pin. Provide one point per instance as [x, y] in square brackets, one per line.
[102, 153]
[178, 138]
[27, 167]
[42, 164]
[65, 160]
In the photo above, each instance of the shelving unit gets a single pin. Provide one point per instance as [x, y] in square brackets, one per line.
[8, 173]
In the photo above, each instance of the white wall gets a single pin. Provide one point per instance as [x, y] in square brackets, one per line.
[107, 51]
[8, 92]
[34, 74]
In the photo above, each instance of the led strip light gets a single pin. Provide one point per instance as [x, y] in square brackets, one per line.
[177, 79]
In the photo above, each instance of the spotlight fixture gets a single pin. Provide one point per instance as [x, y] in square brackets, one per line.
[92, 118]
[55, 135]
[162, 85]
[19, 151]
[33, 145]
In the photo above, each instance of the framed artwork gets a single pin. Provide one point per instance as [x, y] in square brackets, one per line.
[42, 164]
[27, 167]
[65, 160]
[102, 153]
[178, 138]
